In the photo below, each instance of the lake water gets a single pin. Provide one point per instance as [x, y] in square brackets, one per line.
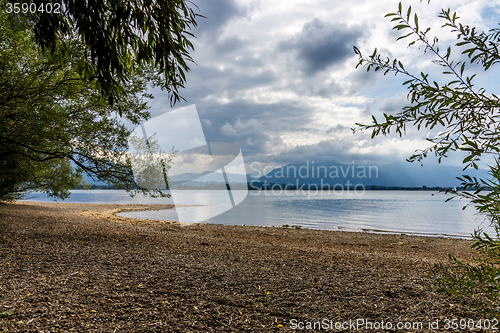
[409, 212]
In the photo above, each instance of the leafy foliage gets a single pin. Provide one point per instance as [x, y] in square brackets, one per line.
[149, 162]
[119, 36]
[51, 117]
[469, 114]
[470, 118]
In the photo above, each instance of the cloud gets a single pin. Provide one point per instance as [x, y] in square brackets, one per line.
[337, 128]
[325, 150]
[395, 103]
[228, 130]
[255, 127]
[278, 78]
[322, 44]
[230, 44]
[217, 14]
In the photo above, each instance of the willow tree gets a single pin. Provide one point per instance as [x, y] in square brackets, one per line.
[468, 119]
[118, 36]
[67, 78]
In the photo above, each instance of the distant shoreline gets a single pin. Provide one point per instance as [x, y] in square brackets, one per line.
[294, 188]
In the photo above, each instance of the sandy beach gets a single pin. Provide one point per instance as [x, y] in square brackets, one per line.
[80, 268]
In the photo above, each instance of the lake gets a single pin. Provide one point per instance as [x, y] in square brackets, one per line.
[409, 212]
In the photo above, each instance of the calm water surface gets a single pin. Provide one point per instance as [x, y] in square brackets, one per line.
[411, 212]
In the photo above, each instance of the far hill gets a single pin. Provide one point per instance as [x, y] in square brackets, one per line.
[394, 174]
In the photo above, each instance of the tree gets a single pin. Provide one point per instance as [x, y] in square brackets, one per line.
[52, 117]
[149, 162]
[119, 36]
[469, 116]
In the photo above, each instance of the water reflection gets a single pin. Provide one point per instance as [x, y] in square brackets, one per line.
[411, 212]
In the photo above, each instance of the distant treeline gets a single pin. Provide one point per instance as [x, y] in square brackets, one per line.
[96, 187]
[289, 187]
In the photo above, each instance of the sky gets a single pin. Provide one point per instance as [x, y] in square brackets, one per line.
[278, 77]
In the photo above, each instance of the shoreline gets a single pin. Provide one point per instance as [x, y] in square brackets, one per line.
[148, 207]
[61, 270]
[145, 208]
[130, 207]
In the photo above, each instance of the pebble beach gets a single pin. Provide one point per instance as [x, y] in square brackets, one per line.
[67, 267]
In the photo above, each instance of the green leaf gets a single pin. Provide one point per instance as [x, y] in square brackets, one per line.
[401, 26]
[401, 37]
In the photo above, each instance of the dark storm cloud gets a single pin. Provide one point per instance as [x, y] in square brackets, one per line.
[224, 66]
[217, 14]
[316, 86]
[274, 117]
[321, 44]
[253, 126]
[206, 80]
[281, 116]
[229, 65]
[230, 44]
[330, 150]
[325, 150]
